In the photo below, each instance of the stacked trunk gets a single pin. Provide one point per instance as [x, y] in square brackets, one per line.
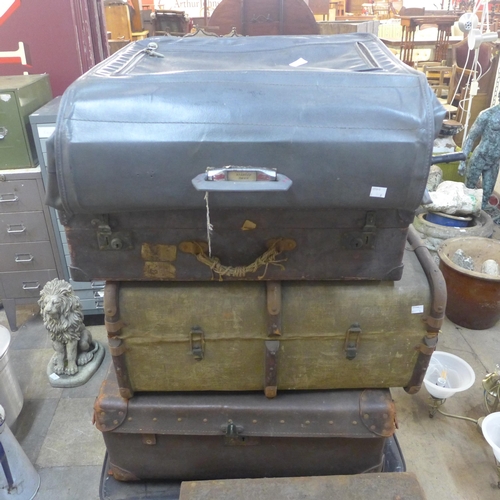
[248, 201]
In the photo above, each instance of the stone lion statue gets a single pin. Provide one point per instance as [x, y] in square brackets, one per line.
[63, 318]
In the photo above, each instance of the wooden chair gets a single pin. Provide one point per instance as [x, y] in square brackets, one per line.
[439, 78]
[339, 6]
[118, 23]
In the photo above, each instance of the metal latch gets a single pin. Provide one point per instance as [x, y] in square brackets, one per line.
[273, 297]
[233, 437]
[364, 239]
[352, 338]
[111, 240]
[197, 340]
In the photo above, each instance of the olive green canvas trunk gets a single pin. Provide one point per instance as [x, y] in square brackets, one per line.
[216, 336]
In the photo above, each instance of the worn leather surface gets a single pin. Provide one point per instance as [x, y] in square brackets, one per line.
[350, 118]
[185, 435]
[362, 413]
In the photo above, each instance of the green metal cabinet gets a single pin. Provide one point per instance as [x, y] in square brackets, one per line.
[19, 97]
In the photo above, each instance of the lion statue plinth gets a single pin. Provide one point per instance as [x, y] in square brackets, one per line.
[62, 316]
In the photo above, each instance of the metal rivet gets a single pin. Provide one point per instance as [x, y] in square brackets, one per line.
[155, 419]
[120, 413]
[331, 422]
[254, 421]
[179, 419]
[103, 413]
[372, 427]
[205, 420]
[366, 416]
[129, 419]
[115, 422]
[354, 422]
[307, 422]
[282, 421]
[229, 421]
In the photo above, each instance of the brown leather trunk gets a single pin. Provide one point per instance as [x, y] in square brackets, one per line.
[337, 244]
[189, 436]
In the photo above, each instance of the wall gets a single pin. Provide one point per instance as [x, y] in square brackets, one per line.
[63, 38]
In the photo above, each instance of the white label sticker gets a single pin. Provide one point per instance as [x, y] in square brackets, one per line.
[378, 192]
[54, 376]
[298, 62]
[5, 97]
[417, 309]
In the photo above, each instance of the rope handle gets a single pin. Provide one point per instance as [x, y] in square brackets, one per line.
[275, 247]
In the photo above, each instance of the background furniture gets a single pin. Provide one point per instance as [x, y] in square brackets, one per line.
[20, 96]
[411, 23]
[26, 240]
[61, 38]
[263, 17]
[169, 22]
[119, 24]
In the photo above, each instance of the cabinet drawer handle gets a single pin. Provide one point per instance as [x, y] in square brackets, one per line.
[99, 304]
[31, 285]
[3, 132]
[24, 257]
[15, 228]
[97, 284]
[8, 198]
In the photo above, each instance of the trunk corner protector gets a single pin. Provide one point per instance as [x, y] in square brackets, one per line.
[110, 410]
[377, 412]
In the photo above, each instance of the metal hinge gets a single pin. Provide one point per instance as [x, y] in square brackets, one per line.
[352, 338]
[364, 239]
[111, 240]
[197, 340]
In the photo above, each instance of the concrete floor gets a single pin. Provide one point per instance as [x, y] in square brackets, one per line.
[450, 457]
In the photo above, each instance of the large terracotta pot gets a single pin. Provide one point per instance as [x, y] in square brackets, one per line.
[473, 297]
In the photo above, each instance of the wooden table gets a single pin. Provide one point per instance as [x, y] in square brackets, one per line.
[410, 24]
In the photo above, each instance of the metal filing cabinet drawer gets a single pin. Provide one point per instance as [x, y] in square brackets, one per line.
[19, 195]
[20, 96]
[26, 256]
[20, 227]
[27, 240]
[27, 284]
